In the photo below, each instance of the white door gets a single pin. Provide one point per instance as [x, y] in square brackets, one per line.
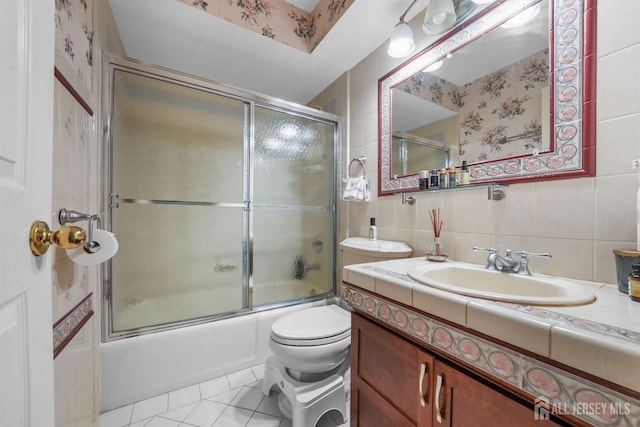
[26, 130]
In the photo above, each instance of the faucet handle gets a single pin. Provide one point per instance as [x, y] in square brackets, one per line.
[490, 261]
[523, 269]
[528, 254]
[490, 250]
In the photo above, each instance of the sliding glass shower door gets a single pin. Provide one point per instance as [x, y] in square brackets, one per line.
[178, 212]
[293, 218]
[222, 203]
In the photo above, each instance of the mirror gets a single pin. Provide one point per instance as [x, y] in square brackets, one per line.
[412, 153]
[514, 105]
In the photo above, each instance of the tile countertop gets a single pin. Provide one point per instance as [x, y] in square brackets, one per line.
[601, 338]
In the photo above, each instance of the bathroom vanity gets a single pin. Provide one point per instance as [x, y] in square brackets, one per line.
[398, 383]
[424, 356]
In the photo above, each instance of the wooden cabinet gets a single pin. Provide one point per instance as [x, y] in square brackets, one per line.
[461, 400]
[395, 382]
[391, 378]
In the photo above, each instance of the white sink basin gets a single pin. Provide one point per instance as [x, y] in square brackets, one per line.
[477, 282]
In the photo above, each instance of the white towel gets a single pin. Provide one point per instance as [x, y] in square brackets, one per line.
[357, 189]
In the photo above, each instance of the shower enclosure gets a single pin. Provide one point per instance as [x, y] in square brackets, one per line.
[223, 201]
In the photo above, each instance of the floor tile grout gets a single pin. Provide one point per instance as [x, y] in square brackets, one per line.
[209, 413]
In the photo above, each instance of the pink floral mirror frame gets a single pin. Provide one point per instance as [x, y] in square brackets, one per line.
[573, 118]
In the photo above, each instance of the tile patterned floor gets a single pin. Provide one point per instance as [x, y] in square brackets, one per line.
[234, 400]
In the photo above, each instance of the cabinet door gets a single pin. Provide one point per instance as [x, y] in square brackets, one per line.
[460, 401]
[391, 378]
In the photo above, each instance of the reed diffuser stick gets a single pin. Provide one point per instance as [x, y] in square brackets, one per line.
[436, 221]
[437, 228]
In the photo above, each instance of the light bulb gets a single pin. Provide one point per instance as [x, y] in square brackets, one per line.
[401, 43]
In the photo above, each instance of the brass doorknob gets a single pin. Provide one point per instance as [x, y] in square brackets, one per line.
[41, 237]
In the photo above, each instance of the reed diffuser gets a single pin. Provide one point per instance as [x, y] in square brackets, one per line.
[437, 249]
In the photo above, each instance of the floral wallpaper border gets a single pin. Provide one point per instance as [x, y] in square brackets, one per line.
[559, 391]
[69, 325]
[74, 44]
[567, 156]
[278, 19]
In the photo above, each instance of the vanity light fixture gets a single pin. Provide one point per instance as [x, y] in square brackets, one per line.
[402, 43]
[440, 16]
[523, 17]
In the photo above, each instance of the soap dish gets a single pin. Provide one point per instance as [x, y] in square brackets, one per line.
[437, 258]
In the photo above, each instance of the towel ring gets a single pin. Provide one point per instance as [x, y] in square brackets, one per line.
[362, 160]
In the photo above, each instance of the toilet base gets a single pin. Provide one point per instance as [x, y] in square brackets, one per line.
[306, 402]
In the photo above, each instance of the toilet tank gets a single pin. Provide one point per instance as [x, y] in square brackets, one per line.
[356, 250]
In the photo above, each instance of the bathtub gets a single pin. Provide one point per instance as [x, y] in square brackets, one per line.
[137, 368]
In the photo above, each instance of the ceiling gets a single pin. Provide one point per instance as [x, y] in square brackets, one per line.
[174, 35]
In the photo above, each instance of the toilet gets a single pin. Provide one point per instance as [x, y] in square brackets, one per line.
[310, 363]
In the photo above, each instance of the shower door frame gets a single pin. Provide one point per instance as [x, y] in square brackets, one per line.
[111, 63]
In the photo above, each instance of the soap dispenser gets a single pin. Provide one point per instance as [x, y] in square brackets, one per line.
[373, 230]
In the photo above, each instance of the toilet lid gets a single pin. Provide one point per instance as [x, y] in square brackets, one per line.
[312, 326]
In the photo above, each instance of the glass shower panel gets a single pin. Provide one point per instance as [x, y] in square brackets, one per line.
[174, 142]
[293, 215]
[293, 159]
[175, 263]
[177, 181]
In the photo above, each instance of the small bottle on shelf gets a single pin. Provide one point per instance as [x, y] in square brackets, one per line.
[464, 173]
[452, 176]
[373, 230]
[634, 283]
[435, 179]
[444, 178]
[424, 181]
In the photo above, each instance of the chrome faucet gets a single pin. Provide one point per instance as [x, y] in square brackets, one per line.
[508, 264]
[495, 262]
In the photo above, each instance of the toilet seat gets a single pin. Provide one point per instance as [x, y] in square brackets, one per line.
[312, 327]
